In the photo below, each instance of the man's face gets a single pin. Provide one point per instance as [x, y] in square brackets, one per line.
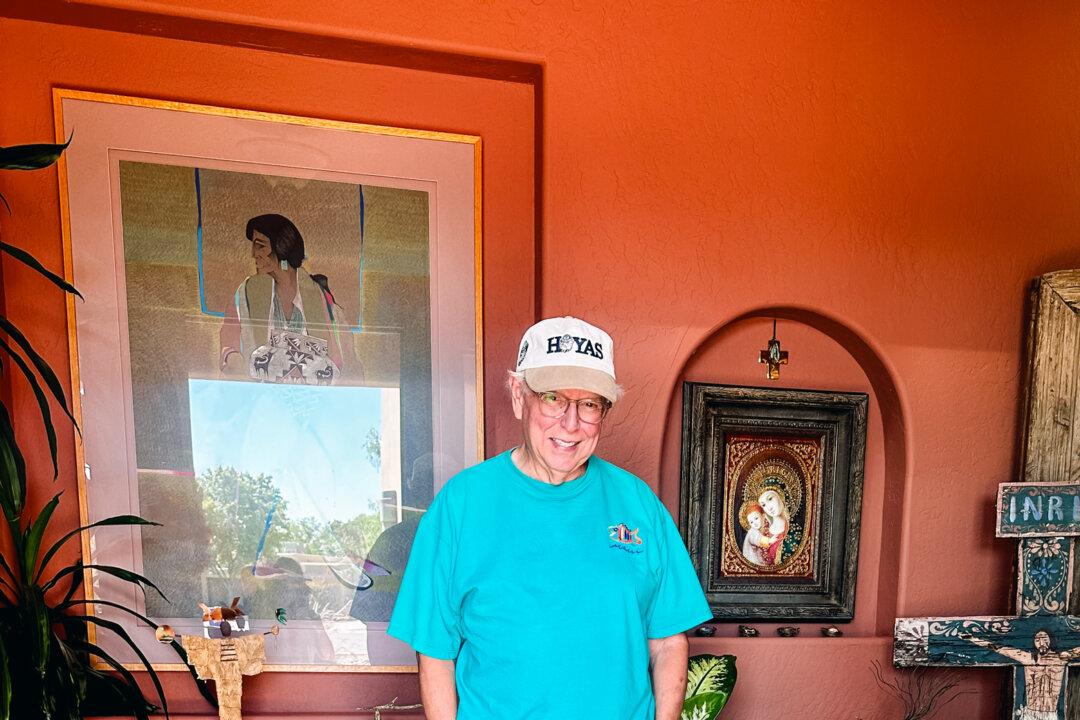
[555, 445]
[262, 253]
[1042, 642]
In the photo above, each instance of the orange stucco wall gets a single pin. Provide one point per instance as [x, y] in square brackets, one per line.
[885, 177]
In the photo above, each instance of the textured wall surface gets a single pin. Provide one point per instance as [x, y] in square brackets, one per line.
[886, 177]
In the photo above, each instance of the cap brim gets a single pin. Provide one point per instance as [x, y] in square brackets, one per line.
[567, 377]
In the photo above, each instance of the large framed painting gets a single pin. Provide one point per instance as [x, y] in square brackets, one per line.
[772, 499]
[277, 359]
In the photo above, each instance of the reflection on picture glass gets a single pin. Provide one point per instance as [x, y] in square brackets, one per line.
[280, 357]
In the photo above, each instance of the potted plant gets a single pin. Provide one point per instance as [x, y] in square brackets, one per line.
[45, 650]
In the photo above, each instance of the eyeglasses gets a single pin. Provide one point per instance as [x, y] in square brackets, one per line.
[555, 405]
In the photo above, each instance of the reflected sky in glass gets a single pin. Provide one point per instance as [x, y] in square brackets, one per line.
[309, 439]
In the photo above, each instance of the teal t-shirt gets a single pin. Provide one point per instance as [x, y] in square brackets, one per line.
[546, 595]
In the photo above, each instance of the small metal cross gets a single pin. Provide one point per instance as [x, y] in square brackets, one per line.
[773, 356]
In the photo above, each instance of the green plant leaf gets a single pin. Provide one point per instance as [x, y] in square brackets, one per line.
[12, 471]
[706, 706]
[710, 681]
[710, 674]
[119, 630]
[42, 367]
[4, 599]
[69, 604]
[34, 533]
[202, 684]
[42, 400]
[31, 157]
[27, 259]
[132, 577]
[77, 578]
[101, 686]
[5, 683]
[129, 678]
[37, 623]
[7, 568]
[204, 688]
[114, 520]
[65, 680]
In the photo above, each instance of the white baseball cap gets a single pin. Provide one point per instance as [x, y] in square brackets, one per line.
[567, 353]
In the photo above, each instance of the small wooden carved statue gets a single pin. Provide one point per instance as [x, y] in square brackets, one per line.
[224, 660]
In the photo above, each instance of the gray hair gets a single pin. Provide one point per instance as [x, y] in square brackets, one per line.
[512, 375]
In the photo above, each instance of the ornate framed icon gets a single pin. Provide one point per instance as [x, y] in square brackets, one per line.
[772, 499]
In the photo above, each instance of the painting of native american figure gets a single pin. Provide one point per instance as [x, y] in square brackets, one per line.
[771, 499]
[275, 327]
[277, 361]
[279, 337]
[773, 484]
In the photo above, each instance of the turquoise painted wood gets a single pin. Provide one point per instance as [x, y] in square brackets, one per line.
[1042, 640]
[1038, 509]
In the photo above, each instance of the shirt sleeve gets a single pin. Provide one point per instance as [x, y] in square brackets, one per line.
[426, 614]
[679, 603]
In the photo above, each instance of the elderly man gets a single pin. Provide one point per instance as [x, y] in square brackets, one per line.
[546, 583]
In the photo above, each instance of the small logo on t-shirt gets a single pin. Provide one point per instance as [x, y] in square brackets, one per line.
[625, 538]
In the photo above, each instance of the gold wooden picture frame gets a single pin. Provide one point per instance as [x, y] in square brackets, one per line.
[288, 447]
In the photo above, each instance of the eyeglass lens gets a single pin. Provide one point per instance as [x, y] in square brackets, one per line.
[589, 410]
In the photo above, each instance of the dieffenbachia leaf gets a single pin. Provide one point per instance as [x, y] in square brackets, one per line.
[709, 674]
[706, 706]
[710, 680]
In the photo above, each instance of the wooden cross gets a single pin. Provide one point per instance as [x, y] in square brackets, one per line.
[773, 356]
[1041, 641]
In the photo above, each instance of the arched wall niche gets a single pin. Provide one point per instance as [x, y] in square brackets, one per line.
[826, 354]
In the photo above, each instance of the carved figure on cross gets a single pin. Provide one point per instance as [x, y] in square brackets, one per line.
[1044, 673]
[773, 356]
[1028, 640]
